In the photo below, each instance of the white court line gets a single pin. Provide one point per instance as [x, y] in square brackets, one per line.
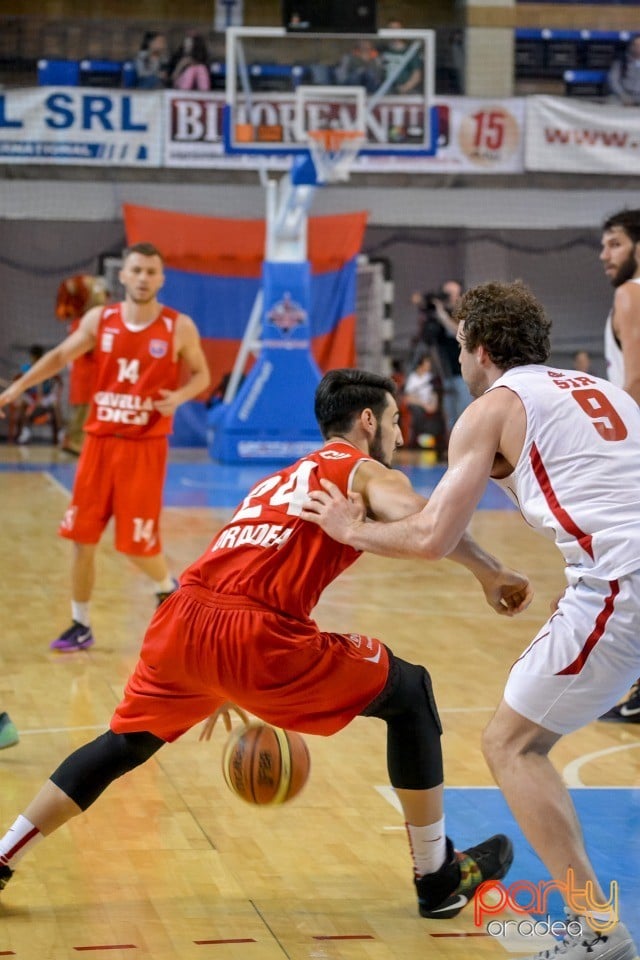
[571, 772]
[45, 730]
[56, 483]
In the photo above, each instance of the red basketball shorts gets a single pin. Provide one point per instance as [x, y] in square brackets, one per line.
[123, 479]
[202, 649]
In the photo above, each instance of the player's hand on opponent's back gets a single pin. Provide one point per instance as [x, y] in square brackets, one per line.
[334, 513]
[223, 712]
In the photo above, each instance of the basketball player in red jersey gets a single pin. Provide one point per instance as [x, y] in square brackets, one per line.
[565, 447]
[138, 347]
[239, 629]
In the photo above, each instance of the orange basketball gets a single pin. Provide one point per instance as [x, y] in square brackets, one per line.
[264, 764]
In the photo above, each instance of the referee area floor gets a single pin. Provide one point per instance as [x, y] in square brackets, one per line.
[168, 864]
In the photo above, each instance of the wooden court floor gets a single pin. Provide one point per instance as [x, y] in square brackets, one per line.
[168, 864]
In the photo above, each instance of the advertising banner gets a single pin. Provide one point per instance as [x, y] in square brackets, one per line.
[80, 125]
[476, 136]
[571, 136]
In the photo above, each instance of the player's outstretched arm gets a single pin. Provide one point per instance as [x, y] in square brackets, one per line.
[507, 591]
[439, 529]
[436, 530]
[80, 341]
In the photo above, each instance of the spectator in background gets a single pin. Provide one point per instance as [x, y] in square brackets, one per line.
[624, 76]
[41, 404]
[456, 396]
[362, 67]
[582, 361]
[152, 62]
[405, 71]
[398, 375]
[191, 71]
[453, 64]
[439, 328]
[429, 332]
[423, 403]
[420, 386]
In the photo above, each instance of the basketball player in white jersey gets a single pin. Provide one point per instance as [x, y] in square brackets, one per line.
[566, 447]
[620, 256]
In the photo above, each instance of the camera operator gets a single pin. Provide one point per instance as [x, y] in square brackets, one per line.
[437, 329]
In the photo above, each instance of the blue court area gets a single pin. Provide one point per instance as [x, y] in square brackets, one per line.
[611, 823]
[210, 484]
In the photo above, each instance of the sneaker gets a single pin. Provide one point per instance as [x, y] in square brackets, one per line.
[463, 872]
[616, 944]
[5, 875]
[76, 637]
[24, 436]
[8, 733]
[161, 597]
[627, 712]
[67, 447]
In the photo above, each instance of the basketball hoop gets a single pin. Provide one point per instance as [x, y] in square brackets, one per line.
[333, 152]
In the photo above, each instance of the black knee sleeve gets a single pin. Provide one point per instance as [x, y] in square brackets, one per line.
[88, 771]
[407, 705]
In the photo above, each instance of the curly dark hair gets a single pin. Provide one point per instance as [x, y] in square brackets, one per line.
[627, 220]
[343, 394]
[508, 321]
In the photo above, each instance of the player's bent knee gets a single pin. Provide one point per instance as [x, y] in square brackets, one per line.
[89, 770]
[408, 691]
[408, 707]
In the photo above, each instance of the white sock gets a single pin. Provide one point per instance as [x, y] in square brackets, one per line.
[428, 847]
[80, 612]
[17, 840]
[167, 585]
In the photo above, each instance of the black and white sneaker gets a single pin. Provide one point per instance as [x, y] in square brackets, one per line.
[5, 875]
[462, 873]
[161, 597]
[629, 710]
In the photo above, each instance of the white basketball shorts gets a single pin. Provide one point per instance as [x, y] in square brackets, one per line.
[585, 657]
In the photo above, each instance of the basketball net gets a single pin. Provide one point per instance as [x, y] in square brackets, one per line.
[333, 152]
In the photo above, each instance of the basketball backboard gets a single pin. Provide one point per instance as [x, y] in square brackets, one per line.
[282, 86]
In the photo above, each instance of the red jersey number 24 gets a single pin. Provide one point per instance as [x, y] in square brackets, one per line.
[290, 492]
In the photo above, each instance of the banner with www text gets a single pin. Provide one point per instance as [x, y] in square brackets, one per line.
[569, 136]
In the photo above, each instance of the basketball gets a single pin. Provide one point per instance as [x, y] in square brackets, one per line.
[265, 765]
